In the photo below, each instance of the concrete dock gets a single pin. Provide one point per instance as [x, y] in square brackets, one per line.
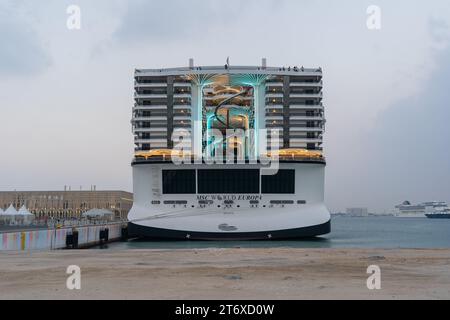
[237, 273]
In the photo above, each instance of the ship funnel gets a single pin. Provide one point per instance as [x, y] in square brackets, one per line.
[263, 63]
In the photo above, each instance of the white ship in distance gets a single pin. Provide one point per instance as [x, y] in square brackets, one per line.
[420, 210]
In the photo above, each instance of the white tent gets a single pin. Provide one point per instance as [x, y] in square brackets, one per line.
[10, 214]
[2, 215]
[23, 211]
[25, 215]
[11, 211]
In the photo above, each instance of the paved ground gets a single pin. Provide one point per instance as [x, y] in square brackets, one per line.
[238, 273]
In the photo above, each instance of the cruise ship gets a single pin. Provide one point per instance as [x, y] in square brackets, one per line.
[228, 153]
[420, 210]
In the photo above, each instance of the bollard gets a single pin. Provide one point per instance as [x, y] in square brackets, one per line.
[69, 241]
[75, 239]
[124, 233]
[103, 236]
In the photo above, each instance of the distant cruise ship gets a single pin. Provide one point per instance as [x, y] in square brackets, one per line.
[237, 199]
[421, 210]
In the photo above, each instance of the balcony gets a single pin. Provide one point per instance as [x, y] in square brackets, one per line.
[182, 132]
[182, 95]
[150, 95]
[150, 107]
[270, 138]
[152, 129]
[306, 95]
[305, 113]
[182, 107]
[178, 127]
[182, 100]
[274, 102]
[274, 111]
[274, 95]
[274, 84]
[179, 105]
[306, 106]
[150, 85]
[182, 84]
[150, 118]
[306, 118]
[182, 117]
[305, 129]
[151, 140]
[305, 84]
[274, 106]
[271, 116]
[157, 145]
[304, 140]
[278, 125]
[182, 124]
[225, 96]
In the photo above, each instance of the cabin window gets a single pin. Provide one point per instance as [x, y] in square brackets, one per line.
[282, 182]
[178, 181]
[228, 181]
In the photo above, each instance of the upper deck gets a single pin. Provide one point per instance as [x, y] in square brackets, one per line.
[283, 155]
[197, 100]
[181, 71]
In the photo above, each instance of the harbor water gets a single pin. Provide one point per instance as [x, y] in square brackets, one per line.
[347, 232]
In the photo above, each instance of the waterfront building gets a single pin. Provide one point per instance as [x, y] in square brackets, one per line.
[68, 204]
[358, 211]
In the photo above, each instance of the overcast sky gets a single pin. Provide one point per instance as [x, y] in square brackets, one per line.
[66, 95]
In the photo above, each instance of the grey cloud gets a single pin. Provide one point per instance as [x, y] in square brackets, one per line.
[174, 19]
[409, 153]
[439, 29]
[21, 51]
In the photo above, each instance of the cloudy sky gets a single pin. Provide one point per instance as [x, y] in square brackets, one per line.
[66, 95]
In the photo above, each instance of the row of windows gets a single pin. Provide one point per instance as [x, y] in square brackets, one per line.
[227, 181]
[178, 181]
[282, 182]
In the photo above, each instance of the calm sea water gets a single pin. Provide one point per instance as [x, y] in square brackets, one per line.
[347, 232]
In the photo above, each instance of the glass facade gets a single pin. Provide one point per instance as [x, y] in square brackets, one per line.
[282, 182]
[228, 181]
[220, 181]
[178, 181]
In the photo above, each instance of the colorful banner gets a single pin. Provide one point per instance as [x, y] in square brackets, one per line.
[48, 239]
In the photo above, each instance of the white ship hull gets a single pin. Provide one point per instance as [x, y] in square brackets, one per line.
[228, 216]
[411, 215]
